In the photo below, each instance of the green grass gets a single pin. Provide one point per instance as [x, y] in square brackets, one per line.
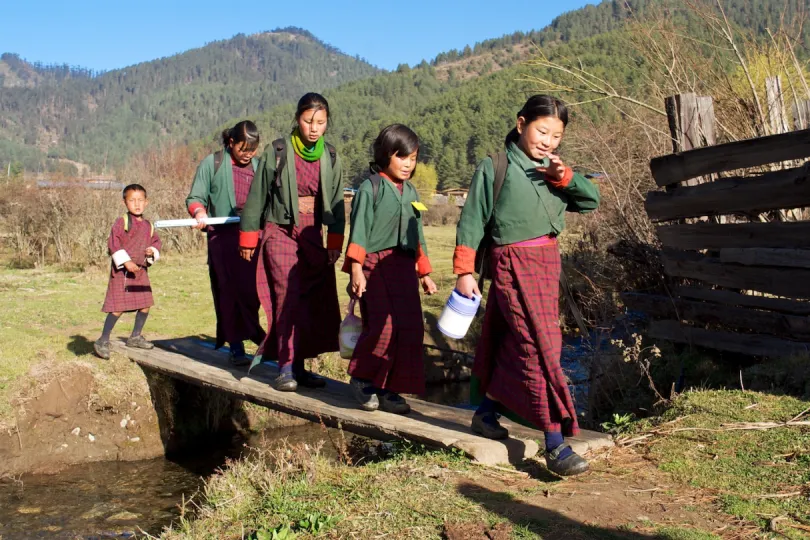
[751, 472]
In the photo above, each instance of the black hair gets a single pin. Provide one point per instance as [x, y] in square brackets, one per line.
[539, 106]
[311, 101]
[133, 187]
[244, 132]
[394, 140]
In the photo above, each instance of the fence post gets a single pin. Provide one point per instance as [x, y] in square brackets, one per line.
[691, 125]
[801, 115]
[776, 105]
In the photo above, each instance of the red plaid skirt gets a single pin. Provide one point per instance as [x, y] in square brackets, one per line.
[233, 284]
[298, 291]
[518, 356]
[389, 350]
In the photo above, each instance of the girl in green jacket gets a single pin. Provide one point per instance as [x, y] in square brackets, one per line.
[517, 361]
[298, 189]
[220, 189]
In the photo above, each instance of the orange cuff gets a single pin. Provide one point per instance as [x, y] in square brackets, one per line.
[356, 253]
[249, 239]
[423, 267]
[334, 241]
[463, 260]
[567, 177]
[193, 207]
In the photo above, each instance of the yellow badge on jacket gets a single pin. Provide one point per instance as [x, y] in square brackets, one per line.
[419, 206]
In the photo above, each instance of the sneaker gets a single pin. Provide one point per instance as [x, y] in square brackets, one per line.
[237, 356]
[102, 349]
[285, 382]
[394, 403]
[139, 342]
[368, 400]
[487, 425]
[570, 465]
[307, 379]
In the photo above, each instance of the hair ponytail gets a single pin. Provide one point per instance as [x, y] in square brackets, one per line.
[244, 132]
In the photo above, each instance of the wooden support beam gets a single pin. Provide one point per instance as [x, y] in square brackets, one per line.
[792, 282]
[750, 344]
[675, 168]
[793, 258]
[764, 322]
[730, 298]
[698, 236]
[775, 190]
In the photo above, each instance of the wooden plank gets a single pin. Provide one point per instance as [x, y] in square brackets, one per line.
[691, 125]
[788, 188]
[675, 168]
[782, 305]
[792, 282]
[428, 423]
[736, 235]
[776, 105]
[750, 344]
[765, 322]
[801, 114]
[793, 258]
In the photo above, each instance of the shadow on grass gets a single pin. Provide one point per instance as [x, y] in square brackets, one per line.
[542, 521]
[80, 345]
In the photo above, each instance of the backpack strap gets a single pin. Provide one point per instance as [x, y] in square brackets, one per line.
[332, 153]
[218, 155]
[500, 162]
[280, 150]
[376, 179]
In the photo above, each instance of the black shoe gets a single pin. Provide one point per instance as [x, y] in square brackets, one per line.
[570, 465]
[307, 379]
[285, 382]
[237, 356]
[487, 425]
[394, 403]
[102, 349]
[368, 400]
[139, 342]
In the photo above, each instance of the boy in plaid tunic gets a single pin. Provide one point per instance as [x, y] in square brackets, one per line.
[387, 260]
[517, 361]
[134, 247]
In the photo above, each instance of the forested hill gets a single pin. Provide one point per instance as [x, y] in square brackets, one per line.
[104, 118]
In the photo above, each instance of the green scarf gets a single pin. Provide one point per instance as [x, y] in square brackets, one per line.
[307, 154]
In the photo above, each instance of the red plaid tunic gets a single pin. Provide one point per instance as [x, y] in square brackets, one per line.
[296, 283]
[242, 178]
[127, 291]
[389, 350]
[518, 355]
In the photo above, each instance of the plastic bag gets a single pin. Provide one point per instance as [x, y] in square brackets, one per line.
[350, 330]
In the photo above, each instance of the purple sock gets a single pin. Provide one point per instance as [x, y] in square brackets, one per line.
[555, 439]
[487, 405]
[286, 369]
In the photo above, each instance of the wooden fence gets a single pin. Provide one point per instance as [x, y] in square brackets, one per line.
[740, 263]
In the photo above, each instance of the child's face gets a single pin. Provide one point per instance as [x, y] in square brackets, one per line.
[240, 153]
[401, 168]
[136, 202]
[312, 125]
[540, 137]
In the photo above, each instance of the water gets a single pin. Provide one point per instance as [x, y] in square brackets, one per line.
[118, 499]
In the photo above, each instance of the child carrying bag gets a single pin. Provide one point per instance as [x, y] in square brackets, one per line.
[350, 330]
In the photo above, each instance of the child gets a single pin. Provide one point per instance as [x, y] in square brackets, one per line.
[297, 190]
[517, 360]
[387, 259]
[220, 189]
[133, 246]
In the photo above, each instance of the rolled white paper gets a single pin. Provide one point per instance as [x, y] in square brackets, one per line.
[190, 222]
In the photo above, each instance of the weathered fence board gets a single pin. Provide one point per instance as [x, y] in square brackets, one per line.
[751, 344]
[731, 298]
[793, 258]
[679, 167]
[765, 322]
[792, 282]
[788, 188]
[790, 234]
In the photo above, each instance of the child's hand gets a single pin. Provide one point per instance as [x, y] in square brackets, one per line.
[555, 172]
[246, 253]
[131, 267]
[358, 283]
[428, 286]
[467, 286]
[150, 252]
[200, 216]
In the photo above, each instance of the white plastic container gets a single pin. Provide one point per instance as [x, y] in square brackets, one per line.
[349, 333]
[458, 315]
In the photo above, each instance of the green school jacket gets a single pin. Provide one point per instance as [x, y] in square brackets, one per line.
[393, 223]
[215, 191]
[269, 202]
[527, 206]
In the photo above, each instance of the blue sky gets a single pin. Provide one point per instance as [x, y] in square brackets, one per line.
[114, 34]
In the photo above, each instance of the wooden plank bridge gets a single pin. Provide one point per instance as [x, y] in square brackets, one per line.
[428, 423]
